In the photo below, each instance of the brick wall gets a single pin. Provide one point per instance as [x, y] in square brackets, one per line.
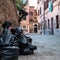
[8, 12]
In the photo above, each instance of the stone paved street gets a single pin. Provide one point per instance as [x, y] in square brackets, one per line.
[48, 47]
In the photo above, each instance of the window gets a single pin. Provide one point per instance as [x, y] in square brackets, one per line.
[35, 13]
[30, 20]
[52, 30]
[35, 18]
[46, 4]
[52, 22]
[40, 10]
[48, 24]
[24, 26]
[31, 13]
[38, 1]
[57, 24]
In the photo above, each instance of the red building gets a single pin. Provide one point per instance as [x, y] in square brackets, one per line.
[33, 23]
[29, 24]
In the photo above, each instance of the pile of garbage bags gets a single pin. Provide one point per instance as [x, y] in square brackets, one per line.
[8, 46]
[24, 42]
[14, 43]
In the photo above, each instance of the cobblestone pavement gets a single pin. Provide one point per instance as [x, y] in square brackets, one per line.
[48, 47]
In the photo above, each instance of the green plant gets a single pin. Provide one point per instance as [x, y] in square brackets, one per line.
[19, 4]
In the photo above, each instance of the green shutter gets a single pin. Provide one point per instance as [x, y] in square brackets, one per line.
[50, 6]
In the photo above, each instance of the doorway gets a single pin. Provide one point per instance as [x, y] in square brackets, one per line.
[52, 30]
[35, 28]
[57, 24]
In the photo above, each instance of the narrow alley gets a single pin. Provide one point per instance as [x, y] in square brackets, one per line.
[48, 47]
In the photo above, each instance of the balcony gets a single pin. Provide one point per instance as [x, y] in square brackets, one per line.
[33, 20]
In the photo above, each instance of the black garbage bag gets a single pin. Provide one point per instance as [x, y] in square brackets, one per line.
[9, 53]
[24, 42]
[8, 46]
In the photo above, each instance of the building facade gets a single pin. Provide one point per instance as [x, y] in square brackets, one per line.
[25, 21]
[33, 22]
[29, 23]
[50, 20]
[40, 12]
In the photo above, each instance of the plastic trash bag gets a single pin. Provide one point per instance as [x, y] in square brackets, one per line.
[8, 46]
